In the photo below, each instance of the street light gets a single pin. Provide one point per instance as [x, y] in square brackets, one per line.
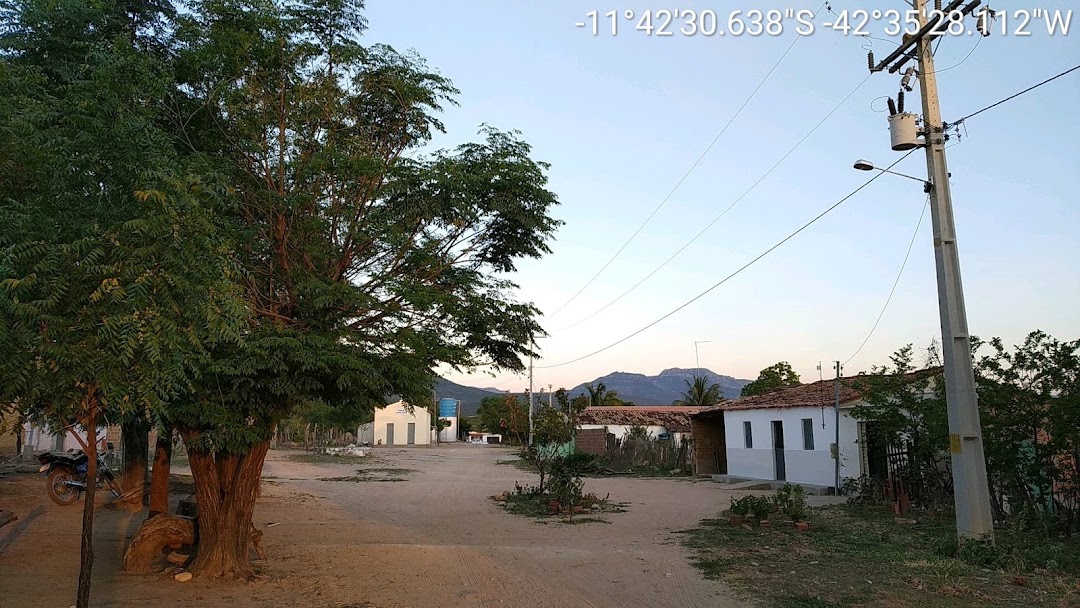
[865, 165]
[697, 359]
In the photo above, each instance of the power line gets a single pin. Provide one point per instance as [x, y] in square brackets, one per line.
[895, 283]
[734, 274]
[1012, 97]
[685, 175]
[723, 213]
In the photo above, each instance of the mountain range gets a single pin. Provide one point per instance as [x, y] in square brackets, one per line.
[661, 389]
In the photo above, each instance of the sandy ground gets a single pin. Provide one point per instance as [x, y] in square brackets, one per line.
[434, 540]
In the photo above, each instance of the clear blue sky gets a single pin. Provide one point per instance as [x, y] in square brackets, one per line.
[622, 118]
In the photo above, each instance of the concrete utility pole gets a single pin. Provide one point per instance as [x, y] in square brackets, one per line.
[972, 496]
[836, 432]
[551, 396]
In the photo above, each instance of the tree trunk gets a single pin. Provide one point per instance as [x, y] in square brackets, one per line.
[226, 487]
[159, 477]
[135, 441]
[86, 548]
[152, 538]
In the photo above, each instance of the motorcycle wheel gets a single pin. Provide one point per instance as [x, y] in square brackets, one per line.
[58, 490]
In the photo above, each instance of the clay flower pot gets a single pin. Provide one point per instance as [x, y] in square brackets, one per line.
[553, 507]
[736, 520]
[802, 526]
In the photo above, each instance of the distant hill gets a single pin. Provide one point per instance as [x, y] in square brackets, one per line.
[469, 396]
[663, 388]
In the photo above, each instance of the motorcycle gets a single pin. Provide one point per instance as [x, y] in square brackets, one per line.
[67, 475]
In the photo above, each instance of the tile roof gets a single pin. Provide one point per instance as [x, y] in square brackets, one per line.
[675, 419]
[813, 394]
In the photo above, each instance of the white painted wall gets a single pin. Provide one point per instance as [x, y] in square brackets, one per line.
[400, 417]
[449, 434]
[803, 466]
[620, 430]
[40, 439]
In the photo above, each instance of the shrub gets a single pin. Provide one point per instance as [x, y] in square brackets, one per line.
[581, 462]
[566, 486]
[741, 506]
[792, 501]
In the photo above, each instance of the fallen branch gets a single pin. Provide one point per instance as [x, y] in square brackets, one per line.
[6, 517]
[153, 536]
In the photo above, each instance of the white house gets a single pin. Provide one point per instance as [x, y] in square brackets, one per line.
[660, 422]
[788, 435]
[39, 438]
[395, 425]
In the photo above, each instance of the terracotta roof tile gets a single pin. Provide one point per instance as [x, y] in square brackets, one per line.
[813, 394]
[674, 418]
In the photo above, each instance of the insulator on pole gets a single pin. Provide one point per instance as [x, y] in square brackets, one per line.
[892, 107]
[870, 60]
[937, 5]
[900, 102]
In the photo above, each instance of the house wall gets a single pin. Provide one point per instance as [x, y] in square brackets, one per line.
[802, 466]
[620, 430]
[710, 445]
[400, 417]
[591, 440]
[39, 439]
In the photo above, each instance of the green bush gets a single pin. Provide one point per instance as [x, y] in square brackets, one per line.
[791, 499]
[581, 463]
[741, 506]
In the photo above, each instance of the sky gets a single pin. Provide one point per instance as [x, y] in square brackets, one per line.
[621, 119]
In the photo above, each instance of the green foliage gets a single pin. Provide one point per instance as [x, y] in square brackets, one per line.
[758, 506]
[553, 430]
[637, 432]
[740, 506]
[507, 415]
[773, 377]
[791, 500]
[599, 395]
[906, 407]
[566, 486]
[582, 463]
[700, 393]
[1029, 400]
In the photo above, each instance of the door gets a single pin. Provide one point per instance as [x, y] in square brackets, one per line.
[389, 433]
[410, 434]
[778, 449]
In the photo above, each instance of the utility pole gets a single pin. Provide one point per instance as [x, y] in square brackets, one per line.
[530, 395]
[836, 431]
[971, 493]
[551, 396]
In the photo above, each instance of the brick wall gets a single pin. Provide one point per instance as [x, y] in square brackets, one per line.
[592, 441]
[710, 446]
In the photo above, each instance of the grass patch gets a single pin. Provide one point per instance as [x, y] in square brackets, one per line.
[520, 464]
[859, 556]
[376, 474]
[319, 458]
[536, 506]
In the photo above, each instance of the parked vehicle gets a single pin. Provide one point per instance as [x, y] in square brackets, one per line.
[67, 475]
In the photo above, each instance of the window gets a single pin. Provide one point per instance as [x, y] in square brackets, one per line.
[808, 433]
[748, 435]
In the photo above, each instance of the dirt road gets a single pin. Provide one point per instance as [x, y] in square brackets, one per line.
[435, 539]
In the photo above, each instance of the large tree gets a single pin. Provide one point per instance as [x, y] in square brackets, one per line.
[112, 278]
[367, 262]
[779, 375]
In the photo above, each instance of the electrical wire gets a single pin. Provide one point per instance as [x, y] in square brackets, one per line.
[892, 292]
[723, 213]
[734, 274]
[966, 57]
[1012, 97]
[685, 175]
